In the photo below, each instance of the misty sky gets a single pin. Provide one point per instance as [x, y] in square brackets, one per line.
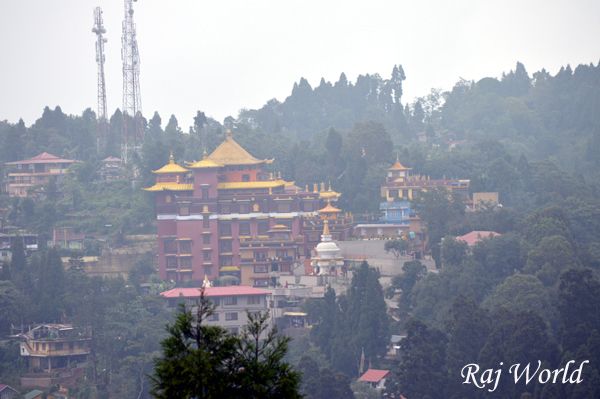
[221, 56]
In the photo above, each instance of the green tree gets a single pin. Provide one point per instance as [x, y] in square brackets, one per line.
[422, 369]
[198, 361]
[396, 247]
[261, 370]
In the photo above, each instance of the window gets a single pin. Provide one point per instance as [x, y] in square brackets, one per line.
[260, 269]
[261, 283]
[229, 300]
[232, 330]
[206, 239]
[208, 270]
[213, 317]
[244, 228]
[263, 227]
[393, 193]
[244, 208]
[171, 262]
[206, 222]
[170, 246]
[225, 260]
[285, 207]
[185, 263]
[225, 246]
[185, 247]
[231, 316]
[58, 346]
[207, 256]
[245, 177]
[225, 229]
[184, 211]
[204, 192]
[260, 256]
[254, 300]
[281, 253]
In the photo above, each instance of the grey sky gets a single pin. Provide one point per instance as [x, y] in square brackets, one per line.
[220, 56]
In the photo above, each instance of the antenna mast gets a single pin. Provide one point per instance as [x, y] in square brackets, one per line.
[132, 100]
[99, 30]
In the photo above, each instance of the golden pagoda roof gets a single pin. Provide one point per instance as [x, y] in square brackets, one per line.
[398, 166]
[330, 209]
[203, 164]
[251, 184]
[229, 152]
[329, 194]
[170, 186]
[171, 167]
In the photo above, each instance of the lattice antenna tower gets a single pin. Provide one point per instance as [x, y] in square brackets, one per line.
[132, 100]
[99, 30]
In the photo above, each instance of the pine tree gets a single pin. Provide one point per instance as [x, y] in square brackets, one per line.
[206, 362]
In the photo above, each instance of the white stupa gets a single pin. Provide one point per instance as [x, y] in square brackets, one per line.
[328, 260]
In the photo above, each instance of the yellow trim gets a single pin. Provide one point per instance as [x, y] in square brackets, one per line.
[229, 269]
[171, 167]
[229, 152]
[329, 209]
[170, 187]
[250, 184]
[204, 164]
[329, 194]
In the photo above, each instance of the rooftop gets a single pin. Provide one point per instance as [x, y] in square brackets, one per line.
[374, 375]
[229, 152]
[475, 236]
[44, 157]
[171, 167]
[231, 290]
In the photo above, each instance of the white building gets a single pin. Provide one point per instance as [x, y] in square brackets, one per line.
[231, 303]
[328, 260]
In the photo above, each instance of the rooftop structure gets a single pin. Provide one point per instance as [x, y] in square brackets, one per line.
[29, 176]
[224, 216]
[328, 259]
[55, 353]
[375, 378]
[400, 184]
[475, 236]
[231, 303]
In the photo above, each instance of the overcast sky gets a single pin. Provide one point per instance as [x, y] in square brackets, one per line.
[221, 56]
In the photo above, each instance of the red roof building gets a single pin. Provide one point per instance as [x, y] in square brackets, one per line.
[25, 176]
[232, 303]
[476, 236]
[375, 377]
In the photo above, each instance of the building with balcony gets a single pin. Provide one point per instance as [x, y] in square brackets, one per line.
[54, 353]
[29, 176]
[214, 212]
[400, 184]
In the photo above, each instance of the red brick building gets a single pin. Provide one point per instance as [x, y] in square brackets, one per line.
[224, 212]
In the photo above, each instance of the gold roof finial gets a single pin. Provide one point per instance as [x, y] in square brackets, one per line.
[228, 134]
[329, 185]
[322, 186]
[171, 157]
[306, 188]
[326, 227]
[315, 187]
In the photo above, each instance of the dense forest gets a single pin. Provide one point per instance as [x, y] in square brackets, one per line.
[530, 294]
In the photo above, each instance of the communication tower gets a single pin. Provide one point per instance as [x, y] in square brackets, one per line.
[132, 100]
